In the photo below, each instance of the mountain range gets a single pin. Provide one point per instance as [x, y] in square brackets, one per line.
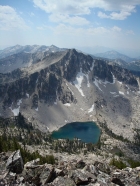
[114, 55]
[54, 86]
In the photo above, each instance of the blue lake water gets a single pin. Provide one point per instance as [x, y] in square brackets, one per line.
[88, 132]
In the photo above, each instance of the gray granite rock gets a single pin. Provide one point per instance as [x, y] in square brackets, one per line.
[15, 162]
[62, 181]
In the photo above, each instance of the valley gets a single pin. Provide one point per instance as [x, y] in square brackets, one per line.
[67, 86]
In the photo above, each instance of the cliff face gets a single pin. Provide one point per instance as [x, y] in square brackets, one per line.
[67, 81]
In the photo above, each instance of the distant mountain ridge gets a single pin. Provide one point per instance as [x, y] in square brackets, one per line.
[18, 56]
[28, 49]
[114, 55]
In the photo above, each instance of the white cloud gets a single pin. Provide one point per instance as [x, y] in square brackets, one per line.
[102, 15]
[115, 15]
[84, 32]
[131, 32]
[120, 16]
[116, 29]
[118, 10]
[9, 19]
[71, 7]
[121, 13]
[72, 20]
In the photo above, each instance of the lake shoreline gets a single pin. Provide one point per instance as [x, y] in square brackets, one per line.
[88, 132]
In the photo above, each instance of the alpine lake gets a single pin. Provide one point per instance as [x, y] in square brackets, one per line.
[87, 132]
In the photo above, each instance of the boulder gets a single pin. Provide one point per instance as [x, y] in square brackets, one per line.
[62, 181]
[91, 168]
[80, 164]
[32, 164]
[117, 181]
[15, 162]
[47, 175]
[102, 167]
[59, 172]
[32, 174]
[81, 177]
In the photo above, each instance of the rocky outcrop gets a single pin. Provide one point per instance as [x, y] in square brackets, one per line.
[69, 173]
[102, 71]
[105, 72]
[124, 75]
[15, 163]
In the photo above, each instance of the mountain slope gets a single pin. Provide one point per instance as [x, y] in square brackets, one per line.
[70, 86]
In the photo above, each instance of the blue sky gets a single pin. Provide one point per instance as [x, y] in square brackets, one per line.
[82, 24]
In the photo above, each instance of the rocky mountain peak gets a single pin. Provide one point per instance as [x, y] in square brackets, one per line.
[63, 81]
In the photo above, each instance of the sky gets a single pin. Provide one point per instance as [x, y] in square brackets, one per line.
[89, 25]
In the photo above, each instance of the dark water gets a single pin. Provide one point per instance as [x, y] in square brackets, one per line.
[86, 131]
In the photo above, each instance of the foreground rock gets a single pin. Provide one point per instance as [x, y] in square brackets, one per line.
[67, 173]
[15, 163]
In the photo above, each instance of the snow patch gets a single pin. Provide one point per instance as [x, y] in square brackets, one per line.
[67, 104]
[19, 102]
[122, 93]
[91, 68]
[116, 96]
[112, 92]
[107, 82]
[70, 89]
[113, 78]
[91, 109]
[120, 82]
[138, 83]
[78, 81]
[27, 95]
[36, 109]
[55, 103]
[127, 92]
[88, 84]
[96, 84]
[15, 111]
[81, 108]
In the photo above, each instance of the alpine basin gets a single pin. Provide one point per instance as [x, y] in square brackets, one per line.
[88, 132]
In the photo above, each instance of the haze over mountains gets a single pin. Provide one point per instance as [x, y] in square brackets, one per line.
[114, 55]
[24, 56]
[56, 86]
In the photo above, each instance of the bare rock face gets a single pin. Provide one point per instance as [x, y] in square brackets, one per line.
[124, 75]
[102, 71]
[15, 163]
